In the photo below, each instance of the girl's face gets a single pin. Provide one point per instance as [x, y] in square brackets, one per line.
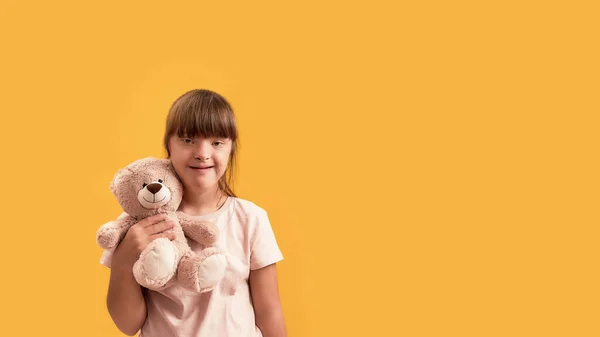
[200, 162]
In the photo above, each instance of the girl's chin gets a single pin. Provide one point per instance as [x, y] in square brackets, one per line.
[202, 184]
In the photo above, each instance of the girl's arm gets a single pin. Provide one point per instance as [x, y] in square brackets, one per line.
[267, 306]
[125, 300]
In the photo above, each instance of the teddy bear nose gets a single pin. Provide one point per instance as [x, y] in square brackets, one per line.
[154, 188]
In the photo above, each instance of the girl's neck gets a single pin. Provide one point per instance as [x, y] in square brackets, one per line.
[204, 202]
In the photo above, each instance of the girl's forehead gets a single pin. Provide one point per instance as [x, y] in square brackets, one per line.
[198, 136]
[206, 132]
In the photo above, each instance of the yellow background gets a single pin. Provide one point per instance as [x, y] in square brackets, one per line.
[430, 168]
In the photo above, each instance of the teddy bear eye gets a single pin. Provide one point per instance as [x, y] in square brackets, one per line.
[160, 181]
[144, 185]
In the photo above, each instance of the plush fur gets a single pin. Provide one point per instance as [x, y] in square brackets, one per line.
[150, 186]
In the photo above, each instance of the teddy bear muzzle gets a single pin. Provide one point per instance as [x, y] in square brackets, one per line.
[154, 195]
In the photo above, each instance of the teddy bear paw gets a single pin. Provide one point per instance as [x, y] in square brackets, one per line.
[211, 271]
[157, 264]
[107, 238]
[204, 271]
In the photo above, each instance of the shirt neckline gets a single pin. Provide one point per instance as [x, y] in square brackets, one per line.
[214, 215]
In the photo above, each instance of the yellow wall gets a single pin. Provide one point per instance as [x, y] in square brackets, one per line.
[430, 168]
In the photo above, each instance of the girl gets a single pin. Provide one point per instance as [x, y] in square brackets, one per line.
[201, 141]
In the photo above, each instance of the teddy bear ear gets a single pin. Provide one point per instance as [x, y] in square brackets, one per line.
[115, 182]
[167, 164]
[165, 161]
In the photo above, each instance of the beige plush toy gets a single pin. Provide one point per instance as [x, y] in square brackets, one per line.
[150, 186]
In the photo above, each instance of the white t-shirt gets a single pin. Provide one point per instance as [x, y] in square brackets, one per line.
[245, 234]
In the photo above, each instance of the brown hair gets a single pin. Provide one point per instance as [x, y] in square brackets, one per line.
[204, 113]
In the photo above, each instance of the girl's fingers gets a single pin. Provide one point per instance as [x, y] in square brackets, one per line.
[169, 236]
[152, 220]
[159, 227]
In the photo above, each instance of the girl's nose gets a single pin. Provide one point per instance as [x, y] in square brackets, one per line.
[203, 151]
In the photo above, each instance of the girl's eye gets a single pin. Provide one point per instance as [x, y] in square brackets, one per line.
[186, 140]
[218, 143]
[144, 185]
[160, 181]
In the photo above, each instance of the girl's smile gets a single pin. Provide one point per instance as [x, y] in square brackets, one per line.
[201, 169]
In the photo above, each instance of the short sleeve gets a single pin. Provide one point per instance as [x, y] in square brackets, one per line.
[106, 258]
[264, 247]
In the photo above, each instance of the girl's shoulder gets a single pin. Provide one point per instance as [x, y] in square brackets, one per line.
[247, 208]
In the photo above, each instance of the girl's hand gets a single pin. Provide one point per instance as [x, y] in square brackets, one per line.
[138, 237]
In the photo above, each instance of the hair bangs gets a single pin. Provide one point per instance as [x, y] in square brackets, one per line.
[202, 115]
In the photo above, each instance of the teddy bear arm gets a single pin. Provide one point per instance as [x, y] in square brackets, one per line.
[110, 234]
[123, 224]
[202, 232]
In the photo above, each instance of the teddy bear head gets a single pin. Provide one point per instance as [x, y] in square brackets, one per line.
[147, 186]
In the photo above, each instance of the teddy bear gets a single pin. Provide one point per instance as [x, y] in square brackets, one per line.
[151, 186]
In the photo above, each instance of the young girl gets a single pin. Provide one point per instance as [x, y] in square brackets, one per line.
[200, 140]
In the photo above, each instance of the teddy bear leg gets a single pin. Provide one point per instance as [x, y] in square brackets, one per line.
[202, 272]
[234, 276]
[157, 264]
